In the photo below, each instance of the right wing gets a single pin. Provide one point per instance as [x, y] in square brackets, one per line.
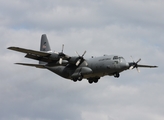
[148, 66]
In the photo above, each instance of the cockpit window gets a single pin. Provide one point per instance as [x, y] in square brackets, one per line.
[121, 59]
[115, 57]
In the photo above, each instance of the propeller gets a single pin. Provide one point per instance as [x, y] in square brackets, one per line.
[135, 64]
[81, 58]
[61, 55]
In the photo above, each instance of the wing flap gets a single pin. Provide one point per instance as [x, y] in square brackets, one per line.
[28, 51]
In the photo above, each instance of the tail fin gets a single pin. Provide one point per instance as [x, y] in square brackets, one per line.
[44, 45]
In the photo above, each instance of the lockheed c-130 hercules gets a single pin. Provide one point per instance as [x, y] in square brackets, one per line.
[77, 68]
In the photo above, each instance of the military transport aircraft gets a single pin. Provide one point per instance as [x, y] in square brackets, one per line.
[77, 68]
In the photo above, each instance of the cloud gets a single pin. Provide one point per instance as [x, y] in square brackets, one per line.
[100, 27]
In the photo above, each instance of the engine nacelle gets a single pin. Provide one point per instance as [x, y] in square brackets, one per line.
[54, 56]
[73, 60]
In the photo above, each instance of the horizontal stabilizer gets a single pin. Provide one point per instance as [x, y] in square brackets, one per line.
[32, 65]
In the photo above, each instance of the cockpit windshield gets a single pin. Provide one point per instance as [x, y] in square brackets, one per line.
[115, 57]
[120, 59]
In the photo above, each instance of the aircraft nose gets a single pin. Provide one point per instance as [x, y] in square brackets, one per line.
[125, 65]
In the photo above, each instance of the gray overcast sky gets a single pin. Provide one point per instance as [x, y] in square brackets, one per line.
[123, 27]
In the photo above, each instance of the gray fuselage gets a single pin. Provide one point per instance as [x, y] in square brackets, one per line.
[96, 67]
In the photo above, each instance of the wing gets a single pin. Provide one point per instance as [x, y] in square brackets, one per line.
[28, 51]
[44, 56]
[33, 54]
[148, 66]
[32, 65]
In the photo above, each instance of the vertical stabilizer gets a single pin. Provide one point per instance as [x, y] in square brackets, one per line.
[44, 45]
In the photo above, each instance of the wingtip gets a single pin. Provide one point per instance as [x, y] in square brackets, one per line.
[9, 48]
[154, 66]
[12, 48]
[18, 63]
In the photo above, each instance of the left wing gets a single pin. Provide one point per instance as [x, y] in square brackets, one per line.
[28, 51]
[32, 65]
[45, 56]
[36, 55]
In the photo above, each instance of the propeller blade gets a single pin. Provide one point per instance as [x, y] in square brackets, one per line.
[131, 67]
[78, 62]
[138, 70]
[138, 61]
[84, 53]
[77, 53]
[62, 48]
[60, 61]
